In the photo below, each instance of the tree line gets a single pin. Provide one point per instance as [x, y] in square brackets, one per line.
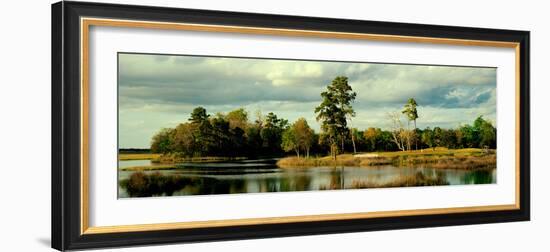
[234, 134]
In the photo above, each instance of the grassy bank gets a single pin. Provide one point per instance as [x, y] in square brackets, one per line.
[149, 167]
[175, 158]
[167, 161]
[137, 156]
[439, 158]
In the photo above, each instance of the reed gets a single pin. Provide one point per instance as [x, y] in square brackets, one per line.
[419, 179]
[341, 160]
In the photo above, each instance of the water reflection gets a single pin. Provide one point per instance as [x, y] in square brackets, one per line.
[253, 176]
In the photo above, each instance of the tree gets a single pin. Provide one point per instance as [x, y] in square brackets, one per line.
[203, 130]
[356, 139]
[237, 118]
[333, 122]
[487, 133]
[412, 114]
[459, 138]
[385, 141]
[344, 96]
[184, 140]
[334, 110]
[199, 115]
[221, 135]
[304, 135]
[254, 140]
[410, 110]
[162, 141]
[448, 138]
[272, 131]
[372, 136]
[400, 136]
[469, 136]
[290, 142]
[438, 136]
[428, 137]
[238, 140]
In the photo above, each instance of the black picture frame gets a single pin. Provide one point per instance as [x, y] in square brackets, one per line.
[66, 125]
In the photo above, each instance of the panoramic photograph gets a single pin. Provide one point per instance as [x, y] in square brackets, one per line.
[204, 125]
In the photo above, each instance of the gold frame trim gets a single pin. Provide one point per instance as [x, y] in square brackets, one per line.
[85, 24]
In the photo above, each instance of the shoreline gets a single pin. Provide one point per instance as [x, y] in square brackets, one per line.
[440, 158]
[464, 159]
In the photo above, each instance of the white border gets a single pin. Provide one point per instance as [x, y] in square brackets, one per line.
[106, 210]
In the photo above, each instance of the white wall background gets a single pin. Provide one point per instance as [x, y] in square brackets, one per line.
[25, 125]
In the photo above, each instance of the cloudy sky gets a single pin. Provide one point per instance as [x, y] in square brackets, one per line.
[158, 91]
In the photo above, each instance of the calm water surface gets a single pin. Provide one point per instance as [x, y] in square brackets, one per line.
[253, 176]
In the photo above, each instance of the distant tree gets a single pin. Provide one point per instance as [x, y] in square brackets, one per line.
[372, 137]
[162, 141]
[202, 130]
[272, 131]
[459, 138]
[358, 138]
[486, 133]
[184, 139]
[385, 142]
[469, 136]
[254, 140]
[400, 136]
[428, 138]
[221, 135]
[199, 115]
[304, 135]
[237, 118]
[438, 136]
[290, 141]
[238, 141]
[448, 138]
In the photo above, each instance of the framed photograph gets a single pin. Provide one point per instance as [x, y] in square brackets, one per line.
[181, 125]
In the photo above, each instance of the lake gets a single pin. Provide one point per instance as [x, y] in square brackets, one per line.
[262, 175]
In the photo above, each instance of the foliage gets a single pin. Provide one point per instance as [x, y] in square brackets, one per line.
[290, 142]
[299, 136]
[412, 114]
[221, 135]
[271, 132]
[333, 111]
[410, 110]
[161, 141]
